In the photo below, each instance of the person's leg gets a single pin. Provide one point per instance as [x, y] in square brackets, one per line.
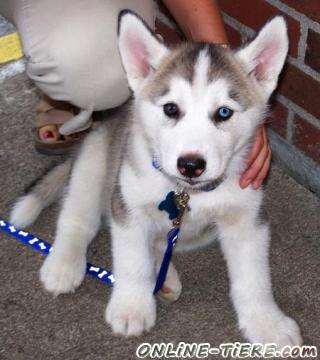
[6, 9]
[71, 50]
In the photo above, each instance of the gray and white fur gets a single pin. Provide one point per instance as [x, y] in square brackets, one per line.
[112, 178]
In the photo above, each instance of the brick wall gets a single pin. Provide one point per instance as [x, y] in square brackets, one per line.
[295, 121]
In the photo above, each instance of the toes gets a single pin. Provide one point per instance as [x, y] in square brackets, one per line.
[135, 327]
[292, 333]
[119, 326]
[60, 276]
[49, 133]
[130, 319]
[128, 325]
[278, 329]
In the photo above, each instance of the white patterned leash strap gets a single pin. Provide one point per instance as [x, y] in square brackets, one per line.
[45, 248]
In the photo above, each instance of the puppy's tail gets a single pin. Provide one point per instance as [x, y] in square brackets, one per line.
[43, 193]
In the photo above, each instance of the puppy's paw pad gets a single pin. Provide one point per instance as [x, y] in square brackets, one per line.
[130, 319]
[169, 293]
[60, 274]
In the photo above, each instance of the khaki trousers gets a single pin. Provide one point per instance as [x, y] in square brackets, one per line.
[71, 47]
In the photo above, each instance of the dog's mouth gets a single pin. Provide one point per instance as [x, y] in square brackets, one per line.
[190, 182]
[199, 185]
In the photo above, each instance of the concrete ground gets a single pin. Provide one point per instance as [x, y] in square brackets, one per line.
[34, 325]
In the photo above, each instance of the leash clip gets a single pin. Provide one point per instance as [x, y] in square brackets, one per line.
[181, 201]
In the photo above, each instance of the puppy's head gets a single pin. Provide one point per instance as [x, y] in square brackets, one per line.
[199, 103]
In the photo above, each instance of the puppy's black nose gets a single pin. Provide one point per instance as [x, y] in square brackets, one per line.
[191, 165]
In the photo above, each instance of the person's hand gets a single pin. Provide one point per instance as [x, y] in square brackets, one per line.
[258, 160]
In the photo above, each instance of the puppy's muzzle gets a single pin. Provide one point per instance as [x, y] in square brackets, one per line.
[191, 166]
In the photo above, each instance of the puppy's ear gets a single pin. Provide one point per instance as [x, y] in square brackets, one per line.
[264, 57]
[140, 49]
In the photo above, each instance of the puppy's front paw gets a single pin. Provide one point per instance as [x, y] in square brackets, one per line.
[272, 327]
[62, 274]
[131, 314]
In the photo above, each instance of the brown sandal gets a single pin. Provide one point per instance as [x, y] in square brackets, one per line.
[50, 115]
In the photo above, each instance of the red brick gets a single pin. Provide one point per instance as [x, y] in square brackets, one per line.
[170, 36]
[312, 57]
[307, 138]
[310, 8]
[278, 118]
[255, 13]
[234, 36]
[301, 88]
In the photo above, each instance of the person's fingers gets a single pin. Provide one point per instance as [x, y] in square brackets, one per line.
[265, 136]
[256, 166]
[256, 148]
[257, 145]
[263, 172]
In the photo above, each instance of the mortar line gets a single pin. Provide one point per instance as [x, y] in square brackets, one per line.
[299, 111]
[290, 126]
[245, 30]
[295, 14]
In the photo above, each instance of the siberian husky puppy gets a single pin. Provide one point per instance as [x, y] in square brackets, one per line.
[195, 109]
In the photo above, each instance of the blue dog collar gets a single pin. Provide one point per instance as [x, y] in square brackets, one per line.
[155, 164]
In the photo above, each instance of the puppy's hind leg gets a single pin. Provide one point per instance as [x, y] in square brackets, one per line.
[65, 267]
[171, 289]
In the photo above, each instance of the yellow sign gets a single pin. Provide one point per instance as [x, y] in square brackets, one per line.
[10, 48]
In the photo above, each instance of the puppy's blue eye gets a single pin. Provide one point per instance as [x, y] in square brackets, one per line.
[223, 113]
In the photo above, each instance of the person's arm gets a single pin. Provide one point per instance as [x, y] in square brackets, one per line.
[201, 20]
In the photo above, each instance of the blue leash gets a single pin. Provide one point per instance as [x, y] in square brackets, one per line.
[174, 204]
[95, 271]
[45, 248]
[172, 238]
